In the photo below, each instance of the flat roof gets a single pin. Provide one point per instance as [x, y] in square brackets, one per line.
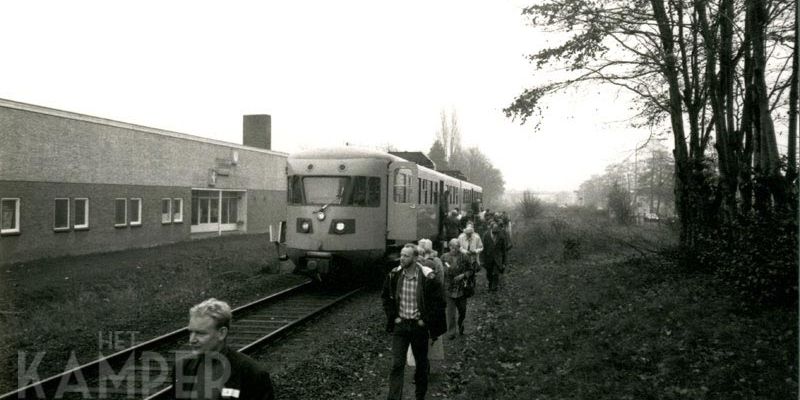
[124, 125]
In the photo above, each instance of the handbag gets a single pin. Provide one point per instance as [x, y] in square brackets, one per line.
[468, 286]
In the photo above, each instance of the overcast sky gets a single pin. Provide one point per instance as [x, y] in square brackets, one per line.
[366, 72]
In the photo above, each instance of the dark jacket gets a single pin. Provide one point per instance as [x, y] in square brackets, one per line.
[451, 227]
[494, 251]
[430, 300]
[247, 380]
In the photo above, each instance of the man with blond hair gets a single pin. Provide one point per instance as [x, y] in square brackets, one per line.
[214, 371]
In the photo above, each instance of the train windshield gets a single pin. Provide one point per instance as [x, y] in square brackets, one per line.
[325, 189]
[361, 191]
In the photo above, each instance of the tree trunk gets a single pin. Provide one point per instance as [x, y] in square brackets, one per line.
[769, 182]
[746, 127]
[684, 206]
[721, 96]
[791, 169]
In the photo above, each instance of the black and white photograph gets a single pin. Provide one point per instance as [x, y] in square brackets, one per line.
[466, 200]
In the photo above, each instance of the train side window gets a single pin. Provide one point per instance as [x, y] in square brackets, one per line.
[402, 185]
[419, 191]
[374, 192]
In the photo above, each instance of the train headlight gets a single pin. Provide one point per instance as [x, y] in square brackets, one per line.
[304, 225]
[342, 226]
[321, 215]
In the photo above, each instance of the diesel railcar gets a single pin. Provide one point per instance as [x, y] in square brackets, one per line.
[350, 207]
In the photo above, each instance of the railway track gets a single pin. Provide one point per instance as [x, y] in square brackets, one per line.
[142, 371]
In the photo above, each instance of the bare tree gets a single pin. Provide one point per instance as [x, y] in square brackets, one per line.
[449, 134]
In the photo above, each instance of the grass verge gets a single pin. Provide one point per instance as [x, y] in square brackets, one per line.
[623, 330]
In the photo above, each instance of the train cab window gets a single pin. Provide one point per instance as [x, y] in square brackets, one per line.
[373, 191]
[402, 185]
[358, 191]
[359, 197]
[325, 189]
[295, 190]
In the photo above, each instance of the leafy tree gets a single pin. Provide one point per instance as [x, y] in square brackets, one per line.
[619, 203]
[714, 70]
[480, 171]
[447, 153]
[655, 180]
[438, 156]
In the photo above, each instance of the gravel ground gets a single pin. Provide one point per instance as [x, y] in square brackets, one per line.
[346, 354]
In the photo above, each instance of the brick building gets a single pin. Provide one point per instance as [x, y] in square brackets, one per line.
[74, 184]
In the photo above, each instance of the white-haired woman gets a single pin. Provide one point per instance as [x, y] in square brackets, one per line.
[429, 258]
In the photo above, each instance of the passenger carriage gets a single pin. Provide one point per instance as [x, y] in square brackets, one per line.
[352, 207]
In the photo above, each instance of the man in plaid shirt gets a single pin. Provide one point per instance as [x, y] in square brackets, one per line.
[414, 306]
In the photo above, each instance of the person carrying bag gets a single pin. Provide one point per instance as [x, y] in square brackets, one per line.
[458, 273]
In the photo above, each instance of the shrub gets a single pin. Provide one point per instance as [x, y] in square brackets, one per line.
[530, 206]
[619, 203]
[757, 256]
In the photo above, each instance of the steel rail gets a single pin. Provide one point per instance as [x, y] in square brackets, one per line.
[273, 336]
[41, 386]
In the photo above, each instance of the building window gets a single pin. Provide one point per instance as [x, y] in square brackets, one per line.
[166, 211]
[177, 210]
[214, 210]
[61, 222]
[205, 207]
[9, 216]
[81, 213]
[120, 212]
[136, 212]
[230, 207]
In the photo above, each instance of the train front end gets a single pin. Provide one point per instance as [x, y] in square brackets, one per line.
[336, 211]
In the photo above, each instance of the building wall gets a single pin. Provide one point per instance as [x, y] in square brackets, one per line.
[47, 154]
[265, 208]
[48, 148]
[37, 238]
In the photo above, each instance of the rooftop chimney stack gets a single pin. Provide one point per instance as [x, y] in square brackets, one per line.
[257, 131]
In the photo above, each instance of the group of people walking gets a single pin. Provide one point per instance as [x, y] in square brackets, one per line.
[425, 297]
